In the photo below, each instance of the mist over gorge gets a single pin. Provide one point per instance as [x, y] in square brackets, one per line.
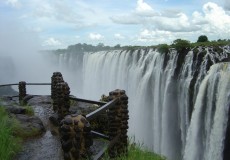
[21, 58]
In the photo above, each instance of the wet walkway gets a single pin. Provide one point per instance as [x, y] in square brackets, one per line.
[46, 146]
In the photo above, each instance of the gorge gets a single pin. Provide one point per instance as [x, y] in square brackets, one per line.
[179, 101]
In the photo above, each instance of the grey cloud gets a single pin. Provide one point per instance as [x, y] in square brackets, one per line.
[126, 19]
[227, 4]
[170, 13]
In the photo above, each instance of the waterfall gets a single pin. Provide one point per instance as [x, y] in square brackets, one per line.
[151, 89]
[205, 137]
[173, 114]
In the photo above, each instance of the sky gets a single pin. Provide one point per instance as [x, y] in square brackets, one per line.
[57, 24]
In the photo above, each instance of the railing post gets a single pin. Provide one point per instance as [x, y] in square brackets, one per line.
[62, 99]
[75, 137]
[55, 79]
[22, 90]
[118, 122]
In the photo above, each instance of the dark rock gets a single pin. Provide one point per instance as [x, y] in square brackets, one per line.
[27, 98]
[54, 119]
[16, 110]
[39, 100]
[31, 125]
[226, 152]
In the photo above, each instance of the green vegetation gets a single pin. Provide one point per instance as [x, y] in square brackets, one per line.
[136, 152]
[202, 38]
[12, 133]
[20, 132]
[163, 48]
[9, 145]
[29, 110]
[180, 44]
[212, 43]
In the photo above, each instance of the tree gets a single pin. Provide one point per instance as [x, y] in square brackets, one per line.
[118, 46]
[163, 48]
[181, 44]
[202, 38]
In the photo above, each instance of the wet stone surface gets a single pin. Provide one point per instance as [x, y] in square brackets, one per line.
[46, 146]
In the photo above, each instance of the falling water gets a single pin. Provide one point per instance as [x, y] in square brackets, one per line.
[173, 114]
[152, 92]
[205, 138]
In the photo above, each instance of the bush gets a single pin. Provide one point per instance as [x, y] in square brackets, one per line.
[163, 48]
[202, 38]
[181, 45]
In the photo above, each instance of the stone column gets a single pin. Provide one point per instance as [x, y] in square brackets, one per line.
[76, 137]
[22, 90]
[118, 122]
[55, 79]
[62, 99]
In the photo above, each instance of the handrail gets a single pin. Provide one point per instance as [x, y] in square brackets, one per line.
[87, 101]
[107, 147]
[100, 135]
[38, 84]
[95, 113]
[14, 84]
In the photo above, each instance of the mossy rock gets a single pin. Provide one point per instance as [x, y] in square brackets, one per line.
[26, 126]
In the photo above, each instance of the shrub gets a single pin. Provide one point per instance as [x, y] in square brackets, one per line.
[181, 45]
[163, 48]
[29, 110]
[202, 38]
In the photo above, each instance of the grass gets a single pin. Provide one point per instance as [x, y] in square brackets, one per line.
[29, 110]
[12, 133]
[9, 145]
[136, 152]
[18, 131]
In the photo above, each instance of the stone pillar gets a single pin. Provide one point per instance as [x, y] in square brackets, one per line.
[124, 122]
[22, 90]
[62, 99]
[55, 79]
[76, 137]
[118, 122]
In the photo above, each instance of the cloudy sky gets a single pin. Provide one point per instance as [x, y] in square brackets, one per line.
[59, 23]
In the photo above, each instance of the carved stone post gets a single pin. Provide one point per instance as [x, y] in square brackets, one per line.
[22, 90]
[62, 99]
[75, 137]
[118, 122]
[55, 79]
